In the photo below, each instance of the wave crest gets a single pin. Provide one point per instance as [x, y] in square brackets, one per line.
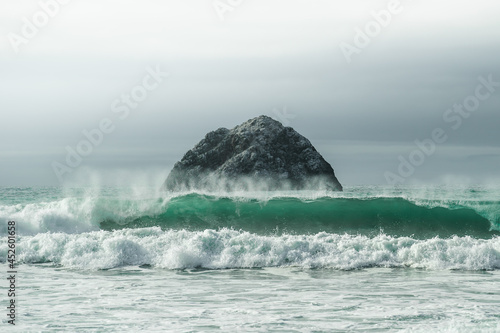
[279, 213]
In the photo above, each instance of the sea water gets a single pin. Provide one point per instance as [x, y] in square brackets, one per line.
[367, 259]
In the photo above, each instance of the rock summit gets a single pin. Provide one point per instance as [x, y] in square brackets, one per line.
[260, 154]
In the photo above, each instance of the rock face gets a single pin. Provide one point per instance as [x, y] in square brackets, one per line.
[260, 154]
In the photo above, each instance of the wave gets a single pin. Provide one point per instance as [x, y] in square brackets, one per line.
[225, 249]
[277, 214]
[394, 216]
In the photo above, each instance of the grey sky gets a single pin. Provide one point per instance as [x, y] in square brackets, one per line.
[266, 54]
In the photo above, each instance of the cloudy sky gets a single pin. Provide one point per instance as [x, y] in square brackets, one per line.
[361, 90]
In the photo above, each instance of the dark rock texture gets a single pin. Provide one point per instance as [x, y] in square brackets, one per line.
[260, 154]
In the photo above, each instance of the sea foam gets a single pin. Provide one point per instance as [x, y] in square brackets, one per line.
[226, 249]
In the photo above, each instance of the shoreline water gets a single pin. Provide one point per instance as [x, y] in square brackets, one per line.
[87, 260]
[129, 299]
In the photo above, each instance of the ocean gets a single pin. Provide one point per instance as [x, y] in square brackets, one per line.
[371, 258]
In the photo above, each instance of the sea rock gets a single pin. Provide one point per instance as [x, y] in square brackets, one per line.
[260, 154]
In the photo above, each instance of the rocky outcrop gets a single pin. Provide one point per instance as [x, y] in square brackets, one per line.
[260, 154]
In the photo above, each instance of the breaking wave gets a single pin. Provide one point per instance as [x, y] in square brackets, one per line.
[355, 229]
[278, 214]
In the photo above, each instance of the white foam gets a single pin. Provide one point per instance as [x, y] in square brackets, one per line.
[66, 215]
[236, 249]
[76, 214]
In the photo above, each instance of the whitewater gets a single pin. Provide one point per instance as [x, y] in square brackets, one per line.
[370, 258]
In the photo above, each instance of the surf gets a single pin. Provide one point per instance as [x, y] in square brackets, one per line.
[393, 216]
[232, 249]
[421, 214]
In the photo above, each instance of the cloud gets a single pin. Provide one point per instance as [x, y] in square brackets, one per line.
[266, 54]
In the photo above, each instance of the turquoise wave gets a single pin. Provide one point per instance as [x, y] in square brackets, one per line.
[288, 215]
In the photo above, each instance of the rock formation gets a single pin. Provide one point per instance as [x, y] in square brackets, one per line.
[260, 154]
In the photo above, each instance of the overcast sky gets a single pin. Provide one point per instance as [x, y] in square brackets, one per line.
[283, 58]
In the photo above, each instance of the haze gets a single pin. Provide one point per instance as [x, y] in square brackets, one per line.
[279, 58]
